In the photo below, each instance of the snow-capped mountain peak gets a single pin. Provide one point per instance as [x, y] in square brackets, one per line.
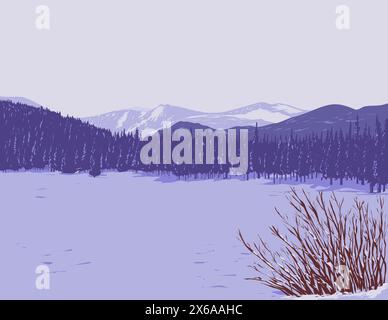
[271, 113]
[115, 121]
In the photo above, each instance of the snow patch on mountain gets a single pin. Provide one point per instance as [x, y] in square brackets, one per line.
[122, 120]
[156, 113]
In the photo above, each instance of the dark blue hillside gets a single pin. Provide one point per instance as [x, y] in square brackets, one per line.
[331, 117]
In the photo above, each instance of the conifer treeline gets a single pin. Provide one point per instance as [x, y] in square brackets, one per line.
[36, 138]
[359, 154]
[41, 139]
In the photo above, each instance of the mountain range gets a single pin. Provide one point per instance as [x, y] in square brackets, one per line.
[152, 120]
[272, 119]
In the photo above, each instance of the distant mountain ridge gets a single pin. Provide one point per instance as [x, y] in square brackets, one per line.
[272, 119]
[330, 117]
[154, 119]
[21, 100]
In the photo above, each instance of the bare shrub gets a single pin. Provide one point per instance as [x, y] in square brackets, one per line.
[325, 249]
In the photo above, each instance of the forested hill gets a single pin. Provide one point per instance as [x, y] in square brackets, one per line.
[39, 138]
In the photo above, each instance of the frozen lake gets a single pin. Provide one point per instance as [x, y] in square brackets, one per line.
[126, 236]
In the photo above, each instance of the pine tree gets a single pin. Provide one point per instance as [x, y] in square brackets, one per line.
[96, 165]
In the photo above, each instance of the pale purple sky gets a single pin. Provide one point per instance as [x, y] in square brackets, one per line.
[210, 55]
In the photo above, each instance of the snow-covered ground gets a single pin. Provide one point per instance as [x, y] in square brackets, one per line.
[128, 236]
[380, 294]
